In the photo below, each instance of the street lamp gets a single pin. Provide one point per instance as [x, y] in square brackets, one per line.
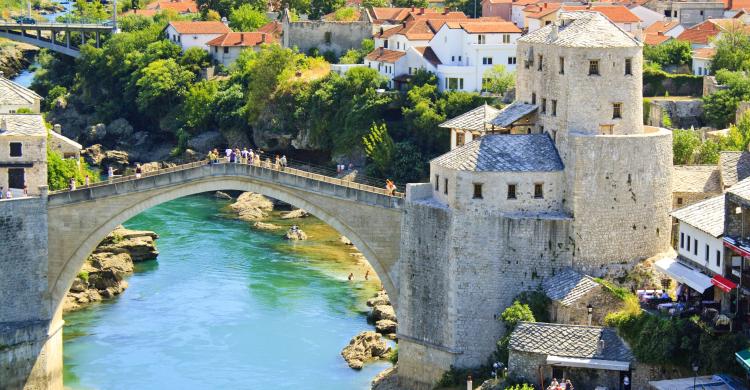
[695, 373]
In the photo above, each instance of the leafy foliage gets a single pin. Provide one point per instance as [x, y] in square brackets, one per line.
[538, 302]
[379, 147]
[732, 51]
[498, 80]
[345, 14]
[672, 52]
[60, 171]
[719, 107]
[247, 18]
[354, 56]
[318, 8]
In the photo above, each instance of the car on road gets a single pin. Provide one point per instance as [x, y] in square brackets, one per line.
[25, 20]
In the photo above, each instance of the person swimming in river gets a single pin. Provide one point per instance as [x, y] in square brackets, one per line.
[351, 276]
[367, 274]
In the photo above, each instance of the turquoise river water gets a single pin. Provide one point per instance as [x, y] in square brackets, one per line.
[223, 307]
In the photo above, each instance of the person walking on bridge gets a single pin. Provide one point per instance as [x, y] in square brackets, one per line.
[283, 162]
[244, 154]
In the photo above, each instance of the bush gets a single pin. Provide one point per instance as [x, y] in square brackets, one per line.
[657, 82]
[60, 171]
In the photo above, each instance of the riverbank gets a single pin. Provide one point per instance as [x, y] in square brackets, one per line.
[103, 272]
[15, 57]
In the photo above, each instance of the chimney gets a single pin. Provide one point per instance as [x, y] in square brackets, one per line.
[421, 11]
[225, 21]
[545, 5]
[403, 24]
[413, 8]
[262, 37]
[57, 129]
[242, 37]
[2, 74]
[600, 347]
[553, 32]
[445, 11]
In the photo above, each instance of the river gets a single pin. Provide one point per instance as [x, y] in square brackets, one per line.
[224, 307]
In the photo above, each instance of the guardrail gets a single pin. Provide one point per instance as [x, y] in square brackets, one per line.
[289, 169]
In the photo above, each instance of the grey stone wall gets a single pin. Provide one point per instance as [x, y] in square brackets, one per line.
[621, 197]
[528, 366]
[524, 366]
[682, 113]
[602, 303]
[309, 34]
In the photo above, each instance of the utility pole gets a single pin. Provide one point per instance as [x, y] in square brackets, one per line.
[114, 16]
[475, 9]
[28, 8]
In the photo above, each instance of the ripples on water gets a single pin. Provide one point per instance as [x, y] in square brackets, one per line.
[225, 307]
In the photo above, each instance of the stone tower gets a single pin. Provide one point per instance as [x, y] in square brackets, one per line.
[590, 188]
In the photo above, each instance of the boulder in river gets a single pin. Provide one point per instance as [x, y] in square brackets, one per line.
[139, 244]
[383, 312]
[364, 347]
[252, 207]
[298, 213]
[266, 226]
[386, 380]
[295, 234]
[344, 240]
[385, 326]
[381, 298]
[222, 195]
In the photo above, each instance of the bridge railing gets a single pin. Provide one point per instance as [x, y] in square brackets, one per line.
[292, 168]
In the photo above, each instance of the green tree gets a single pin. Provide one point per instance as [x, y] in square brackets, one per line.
[672, 52]
[212, 16]
[732, 51]
[408, 166]
[498, 80]
[357, 56]
[318, 8]
[411, 3]
[684, 146]
[194, 59]
[197, 110]
[708, 153]
[229, 108]
[379, 147]
[719, 107]
[60, 171]
[515, 313]
[162, 84]
[345, 14]
[375, 3]
[247, 18]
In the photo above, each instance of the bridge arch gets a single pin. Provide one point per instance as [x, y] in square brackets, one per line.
[373, 229]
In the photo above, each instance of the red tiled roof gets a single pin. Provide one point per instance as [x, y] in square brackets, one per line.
[398, 15]
[736, 4]
[384, 55]
[524, 2]
[141, 12]
[274, 28]
[498, 1]
[705, 53]
[428, 55]
[660, 27]
[655, 39]
[200, 27]
[702, 33]
[615, 13]
[420, 29]
[476, 27]
[241, 39]
[538, 11]
[182, 7]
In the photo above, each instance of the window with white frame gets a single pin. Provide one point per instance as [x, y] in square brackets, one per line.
[454, 83]
[481, 39]
[487, 61]
[506, 38]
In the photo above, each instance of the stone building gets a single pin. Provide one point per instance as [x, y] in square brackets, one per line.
[693, 183]
[591, 356]
[23, 153]
[689, 12]
[734, 166]
[63, 145]
[325, 35]
[588, 189]
[14, 97]
[225, 48]
[578, 299]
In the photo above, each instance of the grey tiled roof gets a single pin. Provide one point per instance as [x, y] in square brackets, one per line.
[475, 119]
[706, 215]
[512, 113]
[582, 29]
[568, 285]
[735, 166]
[504, 153]
[22, 124]
[741, 189]
[574, 341]
[696, 178]
[15, 94]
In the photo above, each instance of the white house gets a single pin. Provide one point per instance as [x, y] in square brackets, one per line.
[467, 49]
[702, 60]
[700, 231]
[14, 97]
[194, 34]
[225, 48]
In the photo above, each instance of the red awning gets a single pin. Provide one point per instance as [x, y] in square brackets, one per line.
[723, 283]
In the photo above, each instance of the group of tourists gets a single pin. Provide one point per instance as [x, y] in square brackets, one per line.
[248, 156]
[390, 187]
[9, 194]
[562, 385]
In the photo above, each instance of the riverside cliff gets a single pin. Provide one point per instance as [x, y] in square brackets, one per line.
[15, 56]
[102, 274]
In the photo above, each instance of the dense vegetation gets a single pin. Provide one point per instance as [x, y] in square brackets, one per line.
[60, 171]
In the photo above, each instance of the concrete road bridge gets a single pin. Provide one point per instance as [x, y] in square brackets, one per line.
[57, 37]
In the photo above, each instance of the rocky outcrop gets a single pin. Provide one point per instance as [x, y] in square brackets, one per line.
[385, 327]
[364, 347]
[222, 195]
[383, 312]
[103, 271]
[95, 155]
[206, 141]
[295, 235]
[266, 226]
[252, 207]
[383, 315]
[386, 380]
[344, 240]
[381, 298]
[15, 56]
[294, 214]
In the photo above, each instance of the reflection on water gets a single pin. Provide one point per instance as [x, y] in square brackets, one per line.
[225, 307]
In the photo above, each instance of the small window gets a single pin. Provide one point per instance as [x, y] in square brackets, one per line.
[679, 200]
[616, 110]
[460, 139]
[533, 98]
[682, 240]
[226, 50]
[481, 39]
[459, 58]
[688, 243]
[628, 66]
[707, 253]
[453, 58]
[16, 150]
[385, 44]
[511, 191]
[562, 65]
[327, 37]
[511, 60]
[554, 107]
[445, 186]
[487, 61]
[695, 246]
[538, 191]
[477, 190]
[506, 38]
[606, 129]
[594, 68]
[718, 258]
[544, 105]
[539, 66]
[437, 182]
[398, 45]
[541, 129]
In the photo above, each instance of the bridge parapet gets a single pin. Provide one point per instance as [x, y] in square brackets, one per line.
[182, 174]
